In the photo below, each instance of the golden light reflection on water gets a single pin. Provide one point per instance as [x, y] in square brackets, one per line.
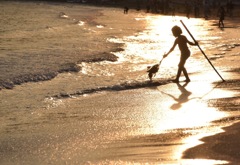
[191, 114]
[150, 45]
[161, 31]
[185, 110]
[157, 38]
[183, 162]
[203, 161]
[184, 107]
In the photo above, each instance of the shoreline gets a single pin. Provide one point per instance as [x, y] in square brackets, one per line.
[9, 81]
[214, 147]
[222, 146]
[48, 69]
[225, 145]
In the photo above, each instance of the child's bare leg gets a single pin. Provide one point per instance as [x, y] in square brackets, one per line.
[186, 74]
[150, 76]
[178, 74]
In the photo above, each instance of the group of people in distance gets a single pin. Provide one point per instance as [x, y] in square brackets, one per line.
[196, 6]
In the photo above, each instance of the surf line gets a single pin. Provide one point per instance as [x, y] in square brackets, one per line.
[120, 87]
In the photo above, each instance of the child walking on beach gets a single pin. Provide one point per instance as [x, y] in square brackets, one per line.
[182, 42]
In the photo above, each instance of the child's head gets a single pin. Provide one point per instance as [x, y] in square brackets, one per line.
[177, 31]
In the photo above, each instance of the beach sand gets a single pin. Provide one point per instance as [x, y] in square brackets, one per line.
[101, 128]
[225, 145]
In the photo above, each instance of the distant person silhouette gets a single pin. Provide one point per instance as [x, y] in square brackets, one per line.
[126, 10]
[182, 42]
[221, 13]
[196, 9]
[206, 10]
[230, 8]
[187, 9]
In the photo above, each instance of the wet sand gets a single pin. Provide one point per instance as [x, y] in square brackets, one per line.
[225, 145]
[37, 133]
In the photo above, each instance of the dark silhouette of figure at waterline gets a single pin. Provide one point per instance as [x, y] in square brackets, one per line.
[221, 13]
[230, 7]
[125, 11]
[187, 9]
[196, 9]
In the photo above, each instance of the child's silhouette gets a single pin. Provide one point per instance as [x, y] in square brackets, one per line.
[181, 41]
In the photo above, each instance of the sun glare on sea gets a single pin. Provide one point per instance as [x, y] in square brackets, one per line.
[158, 37]
[149, 46]
[203, 161]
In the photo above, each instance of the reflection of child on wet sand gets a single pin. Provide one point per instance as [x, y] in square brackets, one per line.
[181, 41]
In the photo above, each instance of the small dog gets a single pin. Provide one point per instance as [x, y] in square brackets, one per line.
[152, 70]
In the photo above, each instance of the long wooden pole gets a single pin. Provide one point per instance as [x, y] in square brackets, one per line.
[201, 50]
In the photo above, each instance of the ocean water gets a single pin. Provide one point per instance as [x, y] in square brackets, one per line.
[148, 47]
[73, 118]
[42, 40]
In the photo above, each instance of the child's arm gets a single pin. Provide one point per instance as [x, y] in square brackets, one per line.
[191, 43]
[172, 48]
